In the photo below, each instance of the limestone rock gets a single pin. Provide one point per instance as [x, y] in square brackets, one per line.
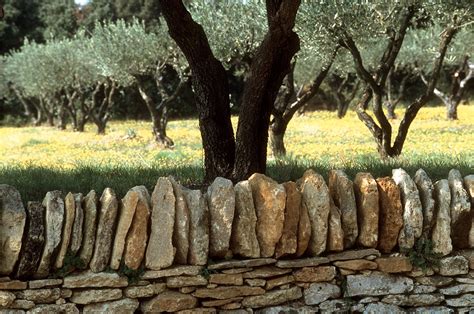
[181, 224]
[461, 220]
[94, 280]
[34, 240]
[288, 309]
[227, 279]
[342, 192]
[54, 224]
[127, 212]
[353, 254]
[304, 230]
[432, 309]
[394, 264]
[319, 292]
[69, 205]
[54, 308]
[304, 262]
[169, 301]
[95, 296]
[105, 230]
[224, 292]
[441, 235]
[453, 265]
[437, 281]
[273, 298]
[22, 305]
[367, 199]
[173, 271]
[213, 303]
[198, 228]
[120, 306]
[315, 274]
[185, 281]
[243, 240]
[12, 284]
[279, 281]
[423, 289]
[76, 236]
[44, 283]
[316, 200]
[466, 300]
[390, 215]
[40, 295]
[242, 263]
[90, 226]
[144, 291]
[6, 298]
[457, 289]
[266, 272]
[469, 186]
[426, 190]
[356, 264]
[289, 239]
[380, 307]
[377, 284]
[335, 233]
[412, 210]
[269, 199]
[414, 300]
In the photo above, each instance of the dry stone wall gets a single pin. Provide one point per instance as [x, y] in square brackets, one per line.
[392, 244]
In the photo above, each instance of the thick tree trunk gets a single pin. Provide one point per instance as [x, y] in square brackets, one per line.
[277, 135]
[452, 110]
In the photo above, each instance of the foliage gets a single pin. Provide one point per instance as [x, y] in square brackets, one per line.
[422, 255]
[133, 275]
[71, 263]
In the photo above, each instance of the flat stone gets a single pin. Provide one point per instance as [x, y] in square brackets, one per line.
[377, 284]
[335, 233]
[315, 274]
[54, 205]
[266, 272]
[304, 230]
[66, 293]
[394, 264]
[269, 198]
[120, 306]
[187, 290]
[221, 201]
[95, 296]
[243, 241]
[95, 280]
[462, 301]
[6, 298]
[227, 279]
[215, 303]
[188, 270]
[33, 242]
[341, 189]
[45, 283]
[144, 291]
[280, 281]
[460, 211]
[21, 305]
[90, 203]
[441, 235]
[369, 300]
[423, 289]
[390, 214]
[234, 306]
[69, 205]
[289, 309]
[40, 295]
[437, 281]
[273, 298]
[469, 255]
[181, 224]
[414, 300]
[236, 270]
[288, 243]
[169, 301]
[420, 272]
[54, 308]
[228, 292]
[304, 262]
[412, 209]
[316, 200]
[367, 199]
[331, 306]
[320, 292]
[465, 280]
[356, 264]
[453, 265]
[457, 289]
[432, 310]
[380, 307]
[198, 228]
[426, 190]
[76, 236]
[256, 282]
[13, 285]
[352, 254]
[185, 281]
[242, 263]
[105, 230]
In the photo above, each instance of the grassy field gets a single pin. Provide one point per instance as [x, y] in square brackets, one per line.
[40, 159]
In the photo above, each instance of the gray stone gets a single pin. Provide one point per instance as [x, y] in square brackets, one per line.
[181, 224]
[273, 298]
[426, 190]
[431, 310]
[54, 224]
[120, 306]
[335, 306]
[186, 281]
[437, 281]
[377, 284]
[414, 299]
[198, 228]
[453, 265]
[40, 295]
[421, 289]
[461, 220]
[304, 262]
[380, 307]
[290, 309]
[90, 226]
[105, 230]
[412, 210]
[44, 283]
[242, 263]
[173, 271]
[462, 301]
[367, 198]
[34, 240]
[69, 308]
[21, 305]
[243, 241]
[441, 235]
[95, 296]
[457, 289]
[319, 292]
[6, 298]
[95, 280]
[369, 300]
[69, 210]
[76, 236]
[353, 254]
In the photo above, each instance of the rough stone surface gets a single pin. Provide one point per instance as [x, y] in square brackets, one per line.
[315, 274]
[266, 272]
[6, 298]
[289, 239]
[13, 285]
[90, 226]
[95, 280]
[394, 264]
[462, 301]
[414, 300]
[221, 201]
[304, 230]
[54, 308]
[69, 210]
[146, 291]
[213, 303]
[273, 298]
[22, 305]
[461, 220]
[45, 283]
[342, 192]
[280, 281]
[316, 200]
[224, 292]
[423, 289]
[227, 279]
[95, 296]
[377, 284]
[437, 281]
[54, 224]
[412, 210]
[426, 190]
[356, 264]
[76, 236]
[105, 230]
[256, 282]
[390, 214]
[453, 265]
[304, 262]
[173, 271]
[380, 307]
[243, 240]
[169, 301]
[198, 228]
[441, 235]
[40, 295]
[367, 200]
[269, 198]
[181, 224]
[352, 254]
[33, 241]
[320, 292]
[457, 289]
[185, 281]
[120, 306]
[469, 186]
[335, 233]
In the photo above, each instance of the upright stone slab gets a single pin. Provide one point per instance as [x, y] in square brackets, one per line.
[76, 237]
[54, 224]
[90, 226]
[135, 244]
[316, 199]
[221, 201]
[160, 252]
[181, 224]
[33, 242]
[441, 235]
[426, 190]
[269, 198]
[12, 224]
[105, 231]
[304, 230]
[390, 215]
[367, 197]
[69, 205]
[469, 186]
[342, 192]
[461, 220]
[335, 232]
[198, 227]
[127, 212]
[243, 241]
[412, 210]
[289, 239]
